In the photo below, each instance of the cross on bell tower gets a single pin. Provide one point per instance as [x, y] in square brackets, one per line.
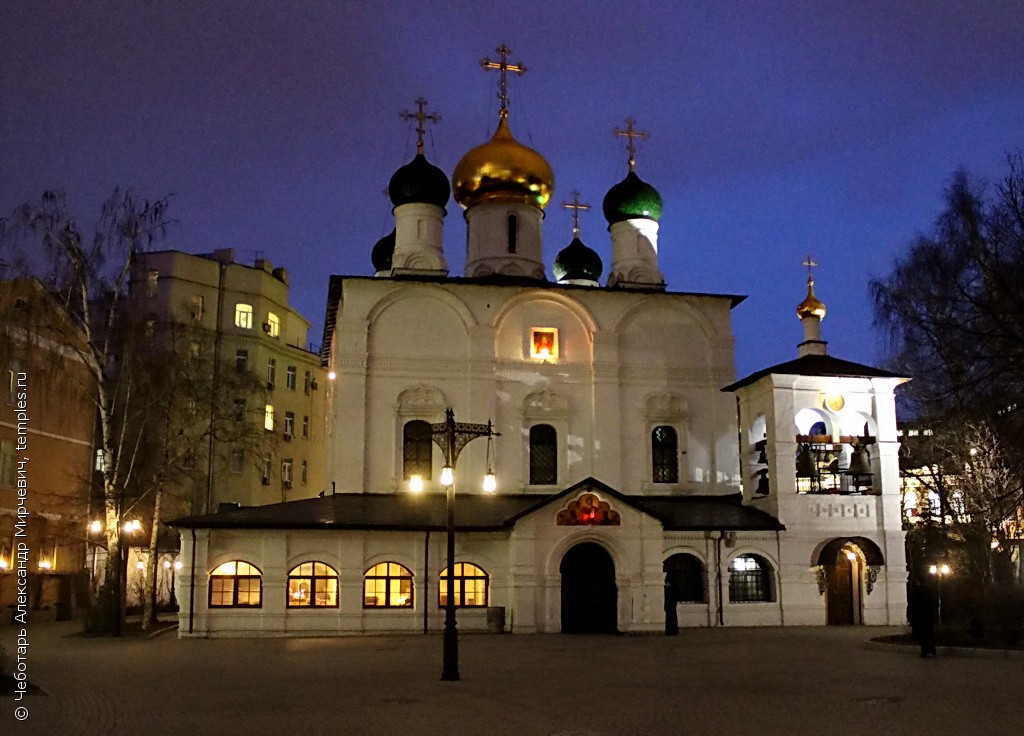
[504, 67]
[576, 206]
[631, 134]
[809, 263]
[421, 117]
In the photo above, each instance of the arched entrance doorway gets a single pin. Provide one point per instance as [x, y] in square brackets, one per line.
[589, 595]
[846, 587]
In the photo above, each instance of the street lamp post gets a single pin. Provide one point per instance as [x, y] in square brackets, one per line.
[451, 437]
[941, 571]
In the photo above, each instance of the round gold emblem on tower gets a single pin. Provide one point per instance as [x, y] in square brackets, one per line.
[503, 170]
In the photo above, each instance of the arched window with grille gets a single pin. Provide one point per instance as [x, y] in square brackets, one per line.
[417, 449]
[664, 455]
[685, 578]
[471, 584]
[543, 455]
[750, 580]
[387, 585]
[236, 584]
[313, 585]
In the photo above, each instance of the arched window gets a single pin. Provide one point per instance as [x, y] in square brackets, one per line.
[387, 585]
[665, 455]
[417, 449]
[543, 455]
[313, 584]
[750, 580]
[684, 578]
[513, 233]
[236, 584]
[471, 584]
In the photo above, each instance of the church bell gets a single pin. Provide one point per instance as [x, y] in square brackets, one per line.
[806, 463]
[760, 446]
[762, 483]
[860, 461]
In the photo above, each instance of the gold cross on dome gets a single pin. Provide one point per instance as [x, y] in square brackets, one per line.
[420, 117]
[576, 206]
[631, 134]
[809, 263]
[503, 68]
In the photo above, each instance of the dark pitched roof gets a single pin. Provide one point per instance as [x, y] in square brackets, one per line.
[407, 512]
[816, 365]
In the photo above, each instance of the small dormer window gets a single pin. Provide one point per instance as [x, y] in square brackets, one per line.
[544, 343]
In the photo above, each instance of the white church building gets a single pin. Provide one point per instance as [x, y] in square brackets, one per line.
[636, 482]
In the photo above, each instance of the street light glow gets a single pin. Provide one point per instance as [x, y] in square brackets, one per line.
[416, 483]
[944, 569]
[447, 476]
[490, 482]
[96, 526]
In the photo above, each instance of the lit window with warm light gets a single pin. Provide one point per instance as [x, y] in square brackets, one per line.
[544, 343]
[387, 585]
[471, 584]
[268, 418]
[313, 585]
[243, 316]
[273, 324]
[236, 584]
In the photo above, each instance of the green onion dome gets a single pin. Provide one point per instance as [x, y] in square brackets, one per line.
[577, 262]
[383, 252]
[419, 181]
[630, 199]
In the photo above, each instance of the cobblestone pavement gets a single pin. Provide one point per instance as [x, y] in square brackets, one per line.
[717, 681]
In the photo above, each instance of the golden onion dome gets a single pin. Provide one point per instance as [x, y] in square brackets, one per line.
[503, 170]
[811, 306]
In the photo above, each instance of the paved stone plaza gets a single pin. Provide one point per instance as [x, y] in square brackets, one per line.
[722, 681]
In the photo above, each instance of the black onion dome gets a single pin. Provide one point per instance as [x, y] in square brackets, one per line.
[383, 252]
[577, 261]
[630, 199]
[419, 181]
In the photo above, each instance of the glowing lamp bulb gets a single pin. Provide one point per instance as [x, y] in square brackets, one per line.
[490, 482]
[45, 565]
[167, 564]
[3, 564]
[544, 354]
[177, 564]
[447, 476]
[416, 483]
[331, 376]
[96, 526]
[140, 565]
[944, 569]
[934, 569]
[851, 556]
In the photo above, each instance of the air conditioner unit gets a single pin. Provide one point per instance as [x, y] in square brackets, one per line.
[286, 484]
[265, 481]
[314, 385]
[270, 385]
[287, 436]
[266, 327]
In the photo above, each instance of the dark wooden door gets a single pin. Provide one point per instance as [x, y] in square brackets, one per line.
[840, 592]
[589, 595]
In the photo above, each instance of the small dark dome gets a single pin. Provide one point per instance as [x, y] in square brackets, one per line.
[419, 181]
[577, 262]
[383, 252]
[630, 199]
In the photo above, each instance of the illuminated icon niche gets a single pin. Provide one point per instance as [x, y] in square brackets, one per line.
[544, 343]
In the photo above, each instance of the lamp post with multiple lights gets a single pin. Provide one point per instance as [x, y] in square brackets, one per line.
[941, 572]
[451, 437]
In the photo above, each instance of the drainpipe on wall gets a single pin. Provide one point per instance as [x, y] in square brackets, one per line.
[192, 585]
[778, 591]
[216, 388]
[426, 580]
[718, 577]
